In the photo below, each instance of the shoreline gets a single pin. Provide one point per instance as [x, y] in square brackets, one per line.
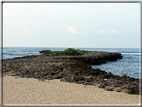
[18, 90]
[73, 69]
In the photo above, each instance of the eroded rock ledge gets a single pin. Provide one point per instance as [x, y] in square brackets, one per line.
[75, 69]
[94, 58]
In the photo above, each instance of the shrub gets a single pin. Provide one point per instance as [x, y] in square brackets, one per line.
[67, 52]
[71, 51]
[18, 64]
[82, 51]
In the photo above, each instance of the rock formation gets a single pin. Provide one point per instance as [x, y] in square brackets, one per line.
[74, 69]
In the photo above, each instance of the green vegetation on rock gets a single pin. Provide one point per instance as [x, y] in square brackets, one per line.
[68, 52]
[18, 64]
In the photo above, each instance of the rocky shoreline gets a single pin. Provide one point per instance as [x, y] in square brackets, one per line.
[74, 69]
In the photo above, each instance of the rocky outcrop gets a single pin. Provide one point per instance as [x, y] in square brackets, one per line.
[46, 51]
[94, 58]
[71, 69]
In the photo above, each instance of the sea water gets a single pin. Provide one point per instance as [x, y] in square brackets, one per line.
[129, 64]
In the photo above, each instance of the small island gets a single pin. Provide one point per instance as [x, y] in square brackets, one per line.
[71, 65]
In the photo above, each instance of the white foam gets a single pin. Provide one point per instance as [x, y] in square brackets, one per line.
[132, 53]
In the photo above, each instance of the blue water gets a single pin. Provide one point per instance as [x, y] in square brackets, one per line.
[129, 65]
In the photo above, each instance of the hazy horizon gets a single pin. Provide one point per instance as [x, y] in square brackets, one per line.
[69, 47]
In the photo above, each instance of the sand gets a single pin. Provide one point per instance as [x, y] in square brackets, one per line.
[18, 90]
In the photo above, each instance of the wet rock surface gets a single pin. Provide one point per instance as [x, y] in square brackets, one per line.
[73, 69]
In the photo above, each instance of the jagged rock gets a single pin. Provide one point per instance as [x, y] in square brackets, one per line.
[58, 76]
[101, 86]
[46, 51]
[86, 83]
[109, 89]
[89, 79]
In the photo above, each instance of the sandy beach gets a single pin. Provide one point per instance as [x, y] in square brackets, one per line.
[18, 90]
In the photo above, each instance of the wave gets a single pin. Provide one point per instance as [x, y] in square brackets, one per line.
[12, 50]
[21, 53]
[132, 53]
[8, 54]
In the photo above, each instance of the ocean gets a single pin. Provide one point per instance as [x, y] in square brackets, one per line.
[129, 65]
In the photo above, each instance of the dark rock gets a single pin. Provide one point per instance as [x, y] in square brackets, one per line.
[68, 79]
[133, 90]
[101, 86]
[119, 82]
[86, 83]
[80, 82]
[132, 79]
[103, 61]
[17, 67]
[25, 72]
[108, 75]
[58, 76]
[118, 90]
[106, 84]
[109, 89]
[89, 79]
[28, 76]
[127, 91]
[52, 73]
[81, 78]
[94, 83]
[45, 51]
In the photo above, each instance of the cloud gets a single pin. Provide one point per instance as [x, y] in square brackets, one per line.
[72, 30]
[102, 32]
[24, 32]
[27, 32]
[20, 33]
[114, 31]
[83, 31]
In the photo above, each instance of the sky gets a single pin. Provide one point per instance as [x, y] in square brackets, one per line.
[84, 25]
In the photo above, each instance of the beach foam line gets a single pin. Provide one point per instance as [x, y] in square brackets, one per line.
[131, 53]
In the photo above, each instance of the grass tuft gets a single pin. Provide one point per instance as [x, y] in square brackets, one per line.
[18, 64]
